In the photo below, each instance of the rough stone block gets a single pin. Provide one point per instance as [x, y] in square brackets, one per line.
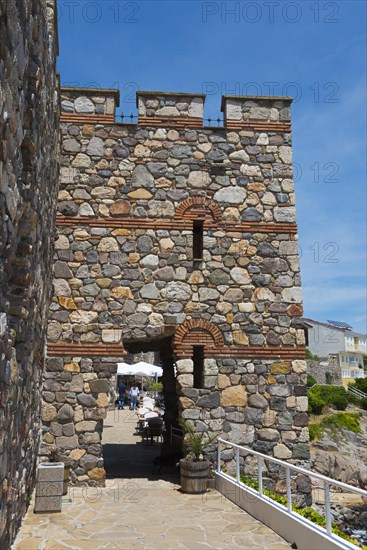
[280, 368]
[185, 366]
[99, 386]
[67, 442]
[47, 504]
[50, 472]
[234, 396]
[49, 488]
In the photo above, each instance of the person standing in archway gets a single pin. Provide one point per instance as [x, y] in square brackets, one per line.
[122, 392]
[134, 393]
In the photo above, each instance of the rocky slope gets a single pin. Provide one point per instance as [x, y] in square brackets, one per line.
[343, 456]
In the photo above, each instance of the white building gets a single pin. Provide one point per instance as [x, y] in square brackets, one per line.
[338, 339]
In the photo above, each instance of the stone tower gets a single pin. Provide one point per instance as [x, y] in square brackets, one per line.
[177, 238]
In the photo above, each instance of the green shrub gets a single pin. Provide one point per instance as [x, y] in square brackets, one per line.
[156, 386]
[309, 355]
[340, 403]
[363, 403]
[310, 380]
[347, 421]
[333, 396]
[354, 400]
[315, 404]
[315, 431]
[335, 423]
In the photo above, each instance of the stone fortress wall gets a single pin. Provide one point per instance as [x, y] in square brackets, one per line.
[29, 136]
[170, 231]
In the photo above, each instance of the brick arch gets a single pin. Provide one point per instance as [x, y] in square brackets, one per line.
[198, 332]
[198, 207]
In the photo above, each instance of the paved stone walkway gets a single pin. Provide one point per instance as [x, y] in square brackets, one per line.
[146, 511]
[125, 454]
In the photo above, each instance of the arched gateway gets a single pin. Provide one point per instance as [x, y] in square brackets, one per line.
[181, 238]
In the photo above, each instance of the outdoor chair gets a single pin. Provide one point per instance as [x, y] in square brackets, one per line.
[141, 412]
[150, 414]
[153, 430]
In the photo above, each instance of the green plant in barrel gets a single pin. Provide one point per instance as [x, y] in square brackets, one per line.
[196, 442]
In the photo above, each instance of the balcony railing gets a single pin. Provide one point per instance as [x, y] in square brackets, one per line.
[288, 510]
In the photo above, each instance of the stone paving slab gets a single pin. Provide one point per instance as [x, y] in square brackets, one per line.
[147, 512]
[155, 516]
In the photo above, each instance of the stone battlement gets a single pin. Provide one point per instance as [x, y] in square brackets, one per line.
[92, 104]
[170, 104]
[178, 109]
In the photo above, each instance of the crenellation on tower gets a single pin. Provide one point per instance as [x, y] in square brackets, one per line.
[95, 104]
[258, 113]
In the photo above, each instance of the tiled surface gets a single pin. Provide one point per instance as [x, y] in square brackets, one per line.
[143, 512]
[147, 514]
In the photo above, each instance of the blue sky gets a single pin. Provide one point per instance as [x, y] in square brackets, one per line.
[313, 51]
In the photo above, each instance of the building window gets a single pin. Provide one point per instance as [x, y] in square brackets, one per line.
[197, 240]
[198, 360]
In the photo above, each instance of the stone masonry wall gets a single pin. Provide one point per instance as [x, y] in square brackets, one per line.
[326, 372]
[125, 271]
[29, 121]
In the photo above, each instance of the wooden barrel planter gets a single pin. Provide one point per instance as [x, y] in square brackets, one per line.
[194, 476]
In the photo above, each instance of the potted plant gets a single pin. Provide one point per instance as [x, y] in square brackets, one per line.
[194, 469]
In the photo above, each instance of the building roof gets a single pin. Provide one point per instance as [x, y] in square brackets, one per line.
[310, 322]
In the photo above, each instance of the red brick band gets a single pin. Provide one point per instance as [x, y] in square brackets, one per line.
[77, 349]
[184, 349]
[183, 224]
[178, 122]
[76, 118]
[257, 125]
[241, 352]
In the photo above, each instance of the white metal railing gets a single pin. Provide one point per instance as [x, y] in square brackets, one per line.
[357, 392]
[327, 481]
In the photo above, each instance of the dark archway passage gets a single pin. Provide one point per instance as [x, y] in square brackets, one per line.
[125, 454]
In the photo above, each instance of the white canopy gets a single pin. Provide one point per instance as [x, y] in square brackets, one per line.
[139, 369]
